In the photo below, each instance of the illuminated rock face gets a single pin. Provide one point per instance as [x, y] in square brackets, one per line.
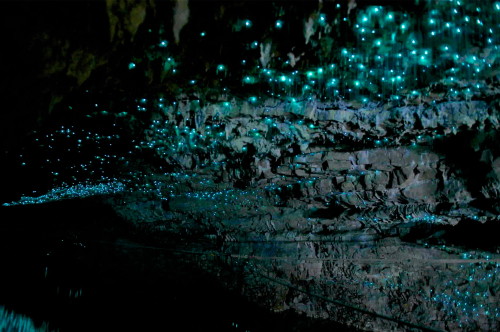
[362, 167]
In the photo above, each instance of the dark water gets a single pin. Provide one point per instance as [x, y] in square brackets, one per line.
[77, 277]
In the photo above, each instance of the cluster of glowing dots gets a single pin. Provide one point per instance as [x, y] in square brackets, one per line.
[467, 298]
[77, 191]
[370, 72]
[73, 147]
[362, 72]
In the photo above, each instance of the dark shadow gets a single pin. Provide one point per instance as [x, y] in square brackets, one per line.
[468, 234]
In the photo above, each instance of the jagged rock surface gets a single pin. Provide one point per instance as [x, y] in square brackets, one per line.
[333, 203]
